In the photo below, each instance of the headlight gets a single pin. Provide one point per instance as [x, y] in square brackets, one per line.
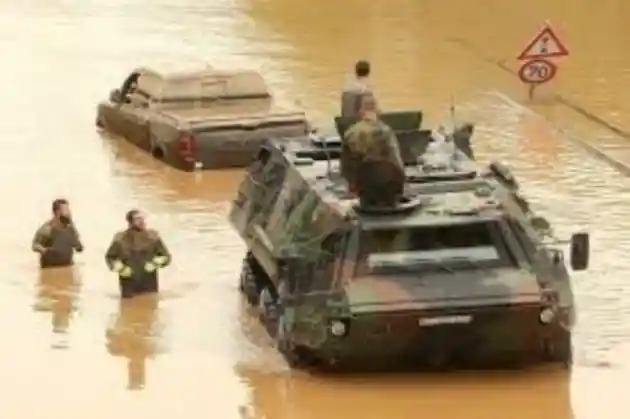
[546, 316]
[337, 328]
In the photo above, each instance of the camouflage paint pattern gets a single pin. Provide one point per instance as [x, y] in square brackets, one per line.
[134, 249]
[61, 240]
[276, 208]
[301, 224]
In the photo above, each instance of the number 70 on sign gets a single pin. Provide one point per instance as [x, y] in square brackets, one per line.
[537, 71]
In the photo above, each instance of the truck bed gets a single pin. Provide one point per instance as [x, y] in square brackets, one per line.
[227, 112]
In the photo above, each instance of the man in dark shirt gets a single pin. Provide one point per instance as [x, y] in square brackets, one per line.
[136, 254]
[57, 239]
[355, 89]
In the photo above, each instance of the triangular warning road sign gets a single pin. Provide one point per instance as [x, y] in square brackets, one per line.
[545, 44]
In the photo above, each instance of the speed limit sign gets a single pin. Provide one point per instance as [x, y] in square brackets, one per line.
[537, 71]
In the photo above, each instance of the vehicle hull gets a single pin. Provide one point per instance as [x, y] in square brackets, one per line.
[496, 337]
[214, 151]
[313, 259]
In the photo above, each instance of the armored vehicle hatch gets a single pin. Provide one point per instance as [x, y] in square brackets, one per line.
[459, 269]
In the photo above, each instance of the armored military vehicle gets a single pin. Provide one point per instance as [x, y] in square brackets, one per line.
[206, 119]
[458, 270]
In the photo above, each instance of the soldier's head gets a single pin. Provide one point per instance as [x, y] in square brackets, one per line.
[61, 210]
[466, 129]
[135, 220]
[362, 69]
[368, 108]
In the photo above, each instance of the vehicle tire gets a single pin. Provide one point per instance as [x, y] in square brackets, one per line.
[155, 148]
[296, 356]
[267, 310]
[252, 280]
[157, 152]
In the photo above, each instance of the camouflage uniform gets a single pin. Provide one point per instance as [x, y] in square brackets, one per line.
[351, 96]
[134, 251]
[60, 241]
[368, 140]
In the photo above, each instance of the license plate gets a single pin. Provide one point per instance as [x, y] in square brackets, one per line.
[198, 165]
[437, 321]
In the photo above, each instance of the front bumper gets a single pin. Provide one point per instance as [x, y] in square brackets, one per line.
[475, 336]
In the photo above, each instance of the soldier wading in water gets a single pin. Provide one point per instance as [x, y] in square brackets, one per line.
[57, 239]
[136, 254]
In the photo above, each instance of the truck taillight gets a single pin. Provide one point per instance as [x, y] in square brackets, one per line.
[187, 147]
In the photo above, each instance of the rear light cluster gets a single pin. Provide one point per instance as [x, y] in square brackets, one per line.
[187, 147]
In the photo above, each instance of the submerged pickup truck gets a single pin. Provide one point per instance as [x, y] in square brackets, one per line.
[209, 119]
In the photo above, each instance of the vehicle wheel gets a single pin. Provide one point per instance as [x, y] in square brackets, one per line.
[267, 310]
[248, 283]
[253, 279]
[157, 152]
[296, 356]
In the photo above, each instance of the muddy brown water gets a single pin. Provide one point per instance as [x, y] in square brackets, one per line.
[70, 348]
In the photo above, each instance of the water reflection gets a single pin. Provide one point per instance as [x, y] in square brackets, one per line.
[133, 336]
[538, 138]
[541, 393]
[57, 293]
[138, 167]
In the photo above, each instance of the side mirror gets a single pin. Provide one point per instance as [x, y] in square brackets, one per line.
[114, 96]
[580, 251]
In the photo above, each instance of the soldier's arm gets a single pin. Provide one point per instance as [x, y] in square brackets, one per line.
[40, 239]
[78, 245]
[344, 158]
[161, 249]
[350, 138]
[114, 252]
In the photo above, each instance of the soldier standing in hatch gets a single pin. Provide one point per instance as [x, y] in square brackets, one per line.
[136, 254]
[355, 89]
[368, 139]
[57, 239]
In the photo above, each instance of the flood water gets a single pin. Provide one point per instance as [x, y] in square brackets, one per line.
[69, 347]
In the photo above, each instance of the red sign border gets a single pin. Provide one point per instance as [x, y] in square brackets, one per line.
[547, 30]
[552, 67]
